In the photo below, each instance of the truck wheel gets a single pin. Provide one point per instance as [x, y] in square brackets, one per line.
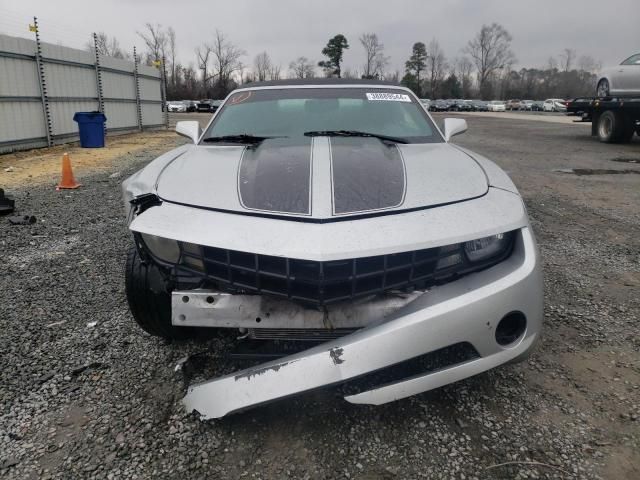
[612, 128]
[603, 88]
[149, 302]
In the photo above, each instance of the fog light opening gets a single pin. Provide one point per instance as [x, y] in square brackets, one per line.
[511, 328]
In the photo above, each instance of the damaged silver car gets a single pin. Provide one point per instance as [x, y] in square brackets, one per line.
[334, 214]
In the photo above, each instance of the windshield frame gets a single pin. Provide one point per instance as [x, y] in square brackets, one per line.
[437, 133]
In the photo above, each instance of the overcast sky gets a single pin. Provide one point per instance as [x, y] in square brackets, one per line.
[287, 29]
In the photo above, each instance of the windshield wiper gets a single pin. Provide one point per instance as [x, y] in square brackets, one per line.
[353, 133]
[239, 138]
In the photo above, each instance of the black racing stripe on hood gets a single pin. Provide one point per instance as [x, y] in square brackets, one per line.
[275, 176]
[367, 174]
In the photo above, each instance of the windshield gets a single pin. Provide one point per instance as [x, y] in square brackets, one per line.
[290, 112]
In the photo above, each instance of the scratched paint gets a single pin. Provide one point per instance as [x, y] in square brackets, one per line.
[336, 355]
[253, 372]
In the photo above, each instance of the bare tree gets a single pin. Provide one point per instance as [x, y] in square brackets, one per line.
[171, 39]
[302, 67]
[203, 53]
[226, 59]
[245, 75]
[465, 68]
[155, 38]
[274, 72]
[491, 51]
[190, 81]
[376, 61]
[586, 63]
[348, 73]
[395, 76]
[567, 58]
[107, 46]
[262, 66]
[436, 66]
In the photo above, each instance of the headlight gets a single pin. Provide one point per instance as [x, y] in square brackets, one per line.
[162, 248]
[486, 247]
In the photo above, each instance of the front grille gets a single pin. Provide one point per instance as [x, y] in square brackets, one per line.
[322, 283]
[299, 334]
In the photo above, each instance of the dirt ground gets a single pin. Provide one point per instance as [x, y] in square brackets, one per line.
[84, 393]
[43, 166]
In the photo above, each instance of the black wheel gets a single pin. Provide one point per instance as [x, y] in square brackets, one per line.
[149, 302]
[612, 128]
[603, 88]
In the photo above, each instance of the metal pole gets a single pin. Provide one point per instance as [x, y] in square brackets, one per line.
[137, 88]
[99, 79]
[43, 86]
[163, 92]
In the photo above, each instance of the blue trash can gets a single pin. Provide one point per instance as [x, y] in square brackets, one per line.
[91, 126]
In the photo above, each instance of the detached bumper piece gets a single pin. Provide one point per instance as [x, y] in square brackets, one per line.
[465, 312]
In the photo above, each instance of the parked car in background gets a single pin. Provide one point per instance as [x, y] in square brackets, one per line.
[204, 106]
[192, 105]
[537, 106]
[496, 106]
[426, 102]
[623, 79]
[513, 105]
[176, 107]
[337, 214]
[215, 104]
[526, 105]
[439, 106]
[479, 106]
[554, 105]
[459, 106]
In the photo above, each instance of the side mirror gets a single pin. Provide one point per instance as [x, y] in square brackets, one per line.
[452, 127]
[189, 129]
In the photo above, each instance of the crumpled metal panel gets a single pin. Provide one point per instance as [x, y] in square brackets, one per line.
[467, 310]
[206, 308]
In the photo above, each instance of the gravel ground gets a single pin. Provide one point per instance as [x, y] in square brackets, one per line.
[85, 394]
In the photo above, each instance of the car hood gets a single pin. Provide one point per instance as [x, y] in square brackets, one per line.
[321, 178]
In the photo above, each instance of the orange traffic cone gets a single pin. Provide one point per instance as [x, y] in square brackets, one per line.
[68, 180]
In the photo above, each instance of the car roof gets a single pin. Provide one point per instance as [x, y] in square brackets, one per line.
[319, 81]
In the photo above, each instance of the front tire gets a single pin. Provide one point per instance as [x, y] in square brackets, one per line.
[149, 301]
[603, 88]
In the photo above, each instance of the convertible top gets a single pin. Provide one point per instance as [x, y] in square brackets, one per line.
[319, 81]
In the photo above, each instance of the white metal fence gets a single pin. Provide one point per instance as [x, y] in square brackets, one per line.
[43, 85]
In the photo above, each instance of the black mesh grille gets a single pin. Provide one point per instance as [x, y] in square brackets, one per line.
[322, 283]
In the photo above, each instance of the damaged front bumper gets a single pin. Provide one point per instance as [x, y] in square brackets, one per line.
[466, 310]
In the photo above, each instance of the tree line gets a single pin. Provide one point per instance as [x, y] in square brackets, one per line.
[484, 69]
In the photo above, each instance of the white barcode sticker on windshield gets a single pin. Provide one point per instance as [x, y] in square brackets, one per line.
[388, 97]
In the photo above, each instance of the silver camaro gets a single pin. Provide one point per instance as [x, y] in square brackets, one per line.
[334, 216]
